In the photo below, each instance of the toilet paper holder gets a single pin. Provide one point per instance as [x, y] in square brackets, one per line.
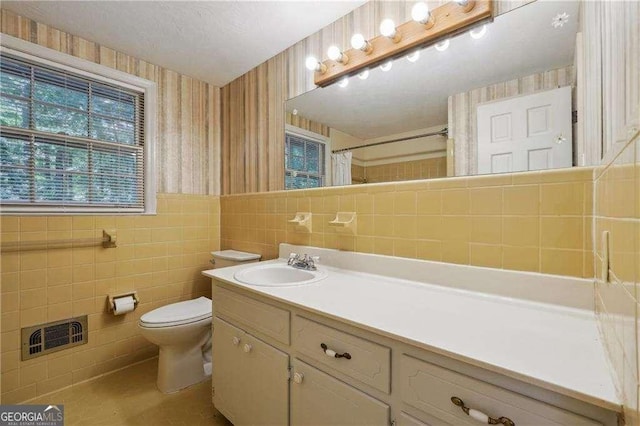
[112, 297]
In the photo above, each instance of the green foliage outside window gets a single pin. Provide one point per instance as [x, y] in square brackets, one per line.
[66, 139]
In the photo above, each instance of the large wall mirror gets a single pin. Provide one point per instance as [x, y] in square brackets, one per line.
[502, 99]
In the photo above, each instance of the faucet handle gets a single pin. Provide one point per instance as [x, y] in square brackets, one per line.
[292, 258]
[315, 259]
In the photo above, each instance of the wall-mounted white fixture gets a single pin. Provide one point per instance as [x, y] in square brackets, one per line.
[466, 5]
[301, 222]
[420, 13]
[360, 43]
[605, 257]
[478, 33]
[443, 45]
[313, 64]
[413, 56]
[345, 223]
[388, 29]
[335, 54]
[386, 66]
[363, 75]
[344, 82]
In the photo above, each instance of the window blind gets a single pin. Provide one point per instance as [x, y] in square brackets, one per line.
[68, 141]
[304, 162]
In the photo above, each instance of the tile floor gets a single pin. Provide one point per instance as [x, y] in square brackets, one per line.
[130, 397]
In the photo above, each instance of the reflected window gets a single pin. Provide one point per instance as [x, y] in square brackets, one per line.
[304, 162]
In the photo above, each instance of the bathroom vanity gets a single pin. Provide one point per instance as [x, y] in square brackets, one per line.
[379, 348]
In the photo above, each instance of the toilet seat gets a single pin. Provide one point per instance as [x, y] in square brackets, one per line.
[178, 313]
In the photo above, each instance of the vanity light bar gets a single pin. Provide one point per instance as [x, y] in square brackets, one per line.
[394, 41]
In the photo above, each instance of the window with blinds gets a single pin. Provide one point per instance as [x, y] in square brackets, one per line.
[304, 162]
[68, 141]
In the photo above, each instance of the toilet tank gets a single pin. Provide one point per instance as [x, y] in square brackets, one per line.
[224, 258]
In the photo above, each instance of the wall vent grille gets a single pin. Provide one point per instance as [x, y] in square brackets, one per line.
[42, 339]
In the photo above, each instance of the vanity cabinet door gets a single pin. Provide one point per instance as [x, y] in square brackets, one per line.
[319, 399]
[227, 369]
[250, 377]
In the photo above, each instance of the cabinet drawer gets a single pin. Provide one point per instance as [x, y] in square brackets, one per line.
[319, 399]
[370, 363]
[429, 388]
[267, 319]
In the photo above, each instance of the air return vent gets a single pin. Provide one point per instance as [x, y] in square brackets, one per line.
[42, 339]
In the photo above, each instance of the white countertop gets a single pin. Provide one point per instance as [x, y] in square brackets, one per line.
[556, 348]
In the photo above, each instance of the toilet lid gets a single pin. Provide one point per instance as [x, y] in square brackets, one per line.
[178, 313]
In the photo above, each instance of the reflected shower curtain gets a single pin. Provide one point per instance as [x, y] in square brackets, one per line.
[341, 166]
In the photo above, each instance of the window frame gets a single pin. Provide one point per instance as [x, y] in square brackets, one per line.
[101, 73]
[315, 137]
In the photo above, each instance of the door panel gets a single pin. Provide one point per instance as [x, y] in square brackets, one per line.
[530, 132]
[266, 371]
[313, 391]
[227, 369]
[250, 378]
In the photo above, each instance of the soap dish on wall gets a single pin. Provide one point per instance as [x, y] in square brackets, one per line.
[345, 223]
[302, 222]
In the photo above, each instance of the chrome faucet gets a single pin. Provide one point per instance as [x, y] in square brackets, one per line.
[306, 262]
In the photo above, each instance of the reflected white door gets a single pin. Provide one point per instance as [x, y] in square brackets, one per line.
[530, 132]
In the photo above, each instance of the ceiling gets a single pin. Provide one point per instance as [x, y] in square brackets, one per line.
[214, 41]
[414, 95]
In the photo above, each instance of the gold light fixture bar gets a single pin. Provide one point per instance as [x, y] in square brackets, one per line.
[449, 18]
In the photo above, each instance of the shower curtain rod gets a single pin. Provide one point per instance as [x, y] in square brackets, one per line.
[442, 132]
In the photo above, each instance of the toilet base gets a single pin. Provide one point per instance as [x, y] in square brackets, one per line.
[178, 370]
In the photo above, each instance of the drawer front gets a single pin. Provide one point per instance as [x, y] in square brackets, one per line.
[370, 363]
[267, 319]
[407, 420]
[429, 388]
[319, 399]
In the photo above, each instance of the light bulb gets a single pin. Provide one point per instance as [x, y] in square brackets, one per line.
[311, 63]
[478, 33]
[388, 28]
[414, 56]
[363, 75]
[335, 54]
[360, 43]
[386, 66]
[466, 5]
[344, 82]
[443, 45]
[420, 13]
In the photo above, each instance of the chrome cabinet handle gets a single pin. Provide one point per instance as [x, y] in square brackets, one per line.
[333, 354]
[480, 416]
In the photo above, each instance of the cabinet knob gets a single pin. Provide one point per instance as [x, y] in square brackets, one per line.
[247, 348]
[298, 377]
[236, 341]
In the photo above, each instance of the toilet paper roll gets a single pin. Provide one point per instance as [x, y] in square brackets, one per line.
[123, 305]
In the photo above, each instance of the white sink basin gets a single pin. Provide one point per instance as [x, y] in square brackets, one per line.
[278, 275]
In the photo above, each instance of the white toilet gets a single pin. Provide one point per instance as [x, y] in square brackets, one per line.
[182, 330]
